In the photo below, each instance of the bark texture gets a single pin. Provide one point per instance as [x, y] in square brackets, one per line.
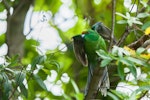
[15, 25]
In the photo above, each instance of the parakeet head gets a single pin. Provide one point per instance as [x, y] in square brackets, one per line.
[104, 31]
[97, 27]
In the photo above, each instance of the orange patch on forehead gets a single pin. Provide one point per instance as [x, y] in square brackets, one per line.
[84, 32]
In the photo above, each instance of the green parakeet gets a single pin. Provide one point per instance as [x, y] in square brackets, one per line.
[85, 46]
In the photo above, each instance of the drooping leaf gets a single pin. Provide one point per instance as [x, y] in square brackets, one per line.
[120, 69]
[133, 71]
[113, 96]
[39, 81]
[24, 90]
[6, 85]
[19, 78]
[75, 86]
[55, 63]
[7, 88]
[19, 81]
[38, 60]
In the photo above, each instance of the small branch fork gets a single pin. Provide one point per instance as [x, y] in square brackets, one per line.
[128, 30]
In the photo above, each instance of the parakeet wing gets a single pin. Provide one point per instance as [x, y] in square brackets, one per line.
[79, 50]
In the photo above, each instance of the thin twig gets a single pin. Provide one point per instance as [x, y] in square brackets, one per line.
[132, 7]
[124, 36]
[142, 95]
[6, 4]
[113, 23]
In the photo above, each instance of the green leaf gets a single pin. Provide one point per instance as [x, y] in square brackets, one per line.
[140, 50]
[133, 71]
[38, 60]
[14, 61]
[24, 91]
[144, 3]
[7, 85]
[113, 96]
[105, 62]
[19, 78]
[38, 4]
[121, 15]
[7, 88]
[143, 15]
[145, 25]
[2, 39]
[120, 95]
[75, 86]
[120, 69]
[40, 81]
[2, 7]
[19, 81]
[137, 61]
[79, 96]
[55, 63]
[103, 54]
[121, 22]
[138, 22]
[125, 61]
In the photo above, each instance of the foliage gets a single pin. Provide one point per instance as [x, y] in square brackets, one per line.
[39, 75]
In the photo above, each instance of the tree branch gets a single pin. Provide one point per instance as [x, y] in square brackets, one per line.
[93, 87]
[124, 36]
[139, 42]
[113, 23]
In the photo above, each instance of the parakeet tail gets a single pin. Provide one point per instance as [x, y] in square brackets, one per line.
[104, 83]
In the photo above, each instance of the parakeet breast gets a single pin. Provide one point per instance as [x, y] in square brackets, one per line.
[92, 43]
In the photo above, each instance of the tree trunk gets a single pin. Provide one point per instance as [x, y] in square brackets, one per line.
[15, 25]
